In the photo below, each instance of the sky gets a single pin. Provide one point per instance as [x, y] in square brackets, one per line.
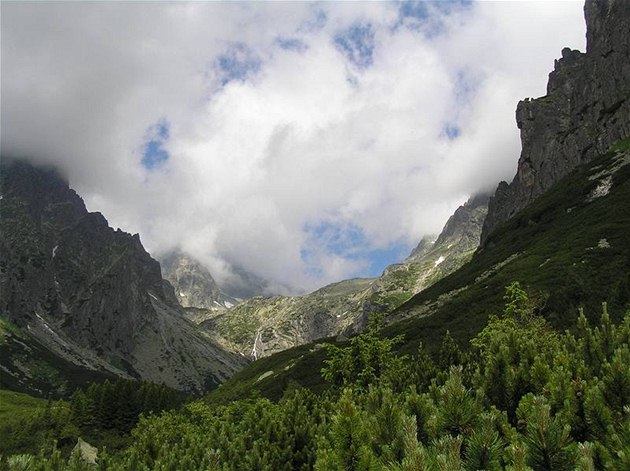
[302, 142]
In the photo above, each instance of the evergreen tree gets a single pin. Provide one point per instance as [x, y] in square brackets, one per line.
[368, 359]
[548, 443]
[450, 354]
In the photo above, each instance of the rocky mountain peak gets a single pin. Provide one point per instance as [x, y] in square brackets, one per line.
[91, 294]
[193, 283]
[423, 247]
[461, 231]
[586, 111]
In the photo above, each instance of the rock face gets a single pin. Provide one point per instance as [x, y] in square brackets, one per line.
[585, 111]
[193, 283]
[460, 235]
[91, 294]
[261, 326]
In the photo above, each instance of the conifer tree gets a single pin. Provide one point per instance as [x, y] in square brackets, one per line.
[484, 447]
[368, 359]
[457, 408]
[423, 369]
[450, 354]
[416, 457]
[548, 443]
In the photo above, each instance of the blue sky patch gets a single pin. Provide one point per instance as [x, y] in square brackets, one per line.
[336, 239]
[427, 17]
[451, 130]
[291, 44]
[413, 9]
[239, 62]
[357, 44]
[349, 241]
[381, 258]
[153, 154]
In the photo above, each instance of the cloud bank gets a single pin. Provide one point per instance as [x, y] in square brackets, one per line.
[303, 142]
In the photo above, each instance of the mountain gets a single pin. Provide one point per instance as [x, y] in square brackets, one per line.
[261, 326]
[89, 295]
[566, 242]
[584, 112]
[433, 258]
[194, 287]
[560, 225]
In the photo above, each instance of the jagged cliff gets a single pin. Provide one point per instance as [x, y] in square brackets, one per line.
[585, 111]
[261, 326]
[90, 294]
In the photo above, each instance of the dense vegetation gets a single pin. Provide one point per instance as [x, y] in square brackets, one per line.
[523, 396]
[104, 414]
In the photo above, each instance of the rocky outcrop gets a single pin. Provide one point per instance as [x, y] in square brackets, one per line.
[585, 111]
[462, 230]
[90, 294]
[193, 284]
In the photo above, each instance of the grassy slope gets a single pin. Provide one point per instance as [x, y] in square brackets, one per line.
[18, 412]
[555, 255]
[14, 405]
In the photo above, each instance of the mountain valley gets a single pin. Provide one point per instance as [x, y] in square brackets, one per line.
[501, 343]
[262, 326]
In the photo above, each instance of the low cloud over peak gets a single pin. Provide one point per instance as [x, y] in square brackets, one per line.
[302, 142]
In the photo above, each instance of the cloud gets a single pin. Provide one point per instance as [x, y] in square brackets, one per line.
[240, 131]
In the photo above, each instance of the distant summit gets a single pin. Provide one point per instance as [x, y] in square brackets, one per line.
[194, 285]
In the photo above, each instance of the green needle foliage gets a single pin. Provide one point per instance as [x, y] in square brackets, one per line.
[522, 397]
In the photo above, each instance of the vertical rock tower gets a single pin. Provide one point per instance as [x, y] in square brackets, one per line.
[585, 111]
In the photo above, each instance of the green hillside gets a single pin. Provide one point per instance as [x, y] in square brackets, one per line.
[527, 398]
[569, 249]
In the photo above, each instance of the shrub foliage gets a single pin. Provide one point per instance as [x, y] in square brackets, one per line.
[521, 397]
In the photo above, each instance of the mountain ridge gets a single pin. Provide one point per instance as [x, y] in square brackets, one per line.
[90, 294]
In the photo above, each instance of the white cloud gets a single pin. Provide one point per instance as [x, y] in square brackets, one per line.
[304, 137]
